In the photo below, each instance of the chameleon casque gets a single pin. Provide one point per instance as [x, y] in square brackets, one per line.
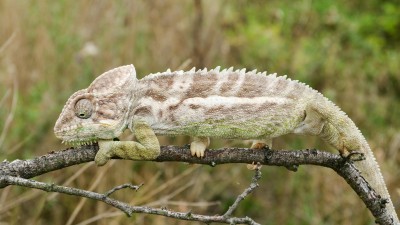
[202, 104]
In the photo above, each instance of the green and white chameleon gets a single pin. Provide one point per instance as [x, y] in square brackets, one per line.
[202, 104]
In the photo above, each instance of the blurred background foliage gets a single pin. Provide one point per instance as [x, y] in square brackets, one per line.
[348, 50]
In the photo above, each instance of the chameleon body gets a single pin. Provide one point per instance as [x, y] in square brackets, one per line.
[202, 104]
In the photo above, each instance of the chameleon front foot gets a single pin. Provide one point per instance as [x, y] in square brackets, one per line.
[199, 145]
[124, 149]
[146, 148]
[105, 153]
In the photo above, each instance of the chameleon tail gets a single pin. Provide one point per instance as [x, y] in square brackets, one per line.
[341, 132]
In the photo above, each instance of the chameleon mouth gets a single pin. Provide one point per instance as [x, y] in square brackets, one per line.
[80, 142]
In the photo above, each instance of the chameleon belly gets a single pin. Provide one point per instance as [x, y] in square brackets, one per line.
[258, 128]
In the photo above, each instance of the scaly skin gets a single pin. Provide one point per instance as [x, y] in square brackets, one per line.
[147, 146]
[202, 104]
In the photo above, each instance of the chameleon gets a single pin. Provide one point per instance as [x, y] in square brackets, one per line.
[228, 103]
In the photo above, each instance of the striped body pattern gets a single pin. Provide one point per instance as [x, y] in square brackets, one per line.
[227, 103]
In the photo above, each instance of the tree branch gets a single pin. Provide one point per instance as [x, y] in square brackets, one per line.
[129, 210]
[251, 188]
[123, 186]
[289, 159]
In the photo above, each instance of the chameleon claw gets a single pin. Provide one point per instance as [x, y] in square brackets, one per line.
[252, 166]
[292, 168]
[259, 144]
[353, 156]
[197, 149]
[198, 146]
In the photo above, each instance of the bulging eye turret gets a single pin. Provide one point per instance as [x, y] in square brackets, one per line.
[83, 108]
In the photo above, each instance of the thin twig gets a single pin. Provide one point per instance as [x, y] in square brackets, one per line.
[193, 204]
[245, 193]
[123, 186]
[124, 207]
[93, 184]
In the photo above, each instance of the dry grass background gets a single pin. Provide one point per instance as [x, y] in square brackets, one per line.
[49, 49]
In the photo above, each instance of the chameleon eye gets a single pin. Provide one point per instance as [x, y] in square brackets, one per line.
[83, 108]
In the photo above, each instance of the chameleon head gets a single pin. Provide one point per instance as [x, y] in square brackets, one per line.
[100, 111]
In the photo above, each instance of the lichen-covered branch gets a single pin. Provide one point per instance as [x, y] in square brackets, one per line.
[289, 159]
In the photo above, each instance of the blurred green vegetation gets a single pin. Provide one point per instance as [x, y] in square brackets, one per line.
[348, 50]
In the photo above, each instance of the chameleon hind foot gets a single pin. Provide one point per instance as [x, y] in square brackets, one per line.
[352, 155]
[259, 144]
[199, 145]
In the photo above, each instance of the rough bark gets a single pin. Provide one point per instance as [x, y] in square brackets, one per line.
[290, 159]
